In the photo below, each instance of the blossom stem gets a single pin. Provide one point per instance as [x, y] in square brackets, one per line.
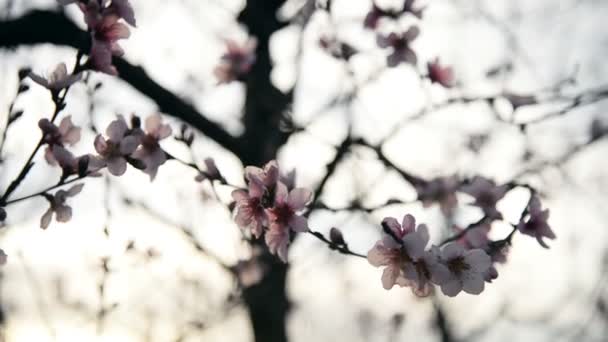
[343, 249]
[42, 192]
[59, 106]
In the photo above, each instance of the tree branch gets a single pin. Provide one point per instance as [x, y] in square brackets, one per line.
[60, 30]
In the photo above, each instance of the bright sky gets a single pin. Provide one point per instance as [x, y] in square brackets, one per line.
[49, 286]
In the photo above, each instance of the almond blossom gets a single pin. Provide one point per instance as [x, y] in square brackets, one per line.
[150, 152]
[250, 213]
[400, 44]
[486, 194]
[86, 165]
[402, 253]
[211, 173]
[59, 79]
[237, 61]
[440, 190]
[114, 150]
[467, 268]
[66, 133]
[102, 18]
[438, 73]
[63, 212]
[283, 217]
[536, 225]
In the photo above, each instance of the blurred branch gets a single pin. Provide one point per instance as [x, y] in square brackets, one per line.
[39, 27]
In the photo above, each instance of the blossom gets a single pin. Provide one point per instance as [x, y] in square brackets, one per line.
[58, 79]
[283, 217]
[211, 173]
[443, 75]
[237, 61]
[150, 152]
[441, 190]
[66, 133]
[467, 268]
[376, 13]
[474, 237]
[268, 176]
[102, 18]
[119, 145]
[486, 194]
[85, 165]
[536, 224]
[251, 214]
[63, 212]
[399, 250]
[3, 257]
[336, 48]
[400, 43]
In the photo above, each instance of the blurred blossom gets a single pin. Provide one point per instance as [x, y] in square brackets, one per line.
[441, 190]
[376, 13]
[211, 173]
[536, 225]
[237, 61]
[63, 212]
[3, 257]
[58, 79]
[486, 194]
[400, 44]
[438, 73]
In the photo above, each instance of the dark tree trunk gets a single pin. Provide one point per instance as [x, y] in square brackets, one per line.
[265, 105]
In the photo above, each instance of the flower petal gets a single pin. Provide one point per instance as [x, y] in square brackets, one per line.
[298, 198]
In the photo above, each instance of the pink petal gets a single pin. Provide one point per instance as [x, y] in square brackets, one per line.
[451, 288]
[389, 276]
[46, 219]
[379, 255]
[298, 224]
[101, 146]
[452, 250]
[478, 260]
[116, 129]
[298, 198]
[473, 283]
[75, 190]
[117, 165]
[409, 223]
[128, 145]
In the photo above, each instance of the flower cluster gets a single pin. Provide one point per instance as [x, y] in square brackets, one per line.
[237, 61]
[271, 206]
[408, 262]
[122, 145]
[133, 145]
[102, 19]
[376, 13]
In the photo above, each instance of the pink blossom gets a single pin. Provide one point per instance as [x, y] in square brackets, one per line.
[443, 75]
[486, 194]
[536, 225]
[86, 165]
[58, 79]
[441, 190]
[283, 217]
[400, 44]
[211, 173]
[123, 9]
[63, 212]
[426, 271]
[467, 268]
[268, 176]
[237, 61]
[66, 133]
[251, 213]
[150, 152]
[113, 150]
[401, 250]
[474, 237]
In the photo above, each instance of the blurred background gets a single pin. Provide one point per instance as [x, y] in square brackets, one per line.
[164, 261]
